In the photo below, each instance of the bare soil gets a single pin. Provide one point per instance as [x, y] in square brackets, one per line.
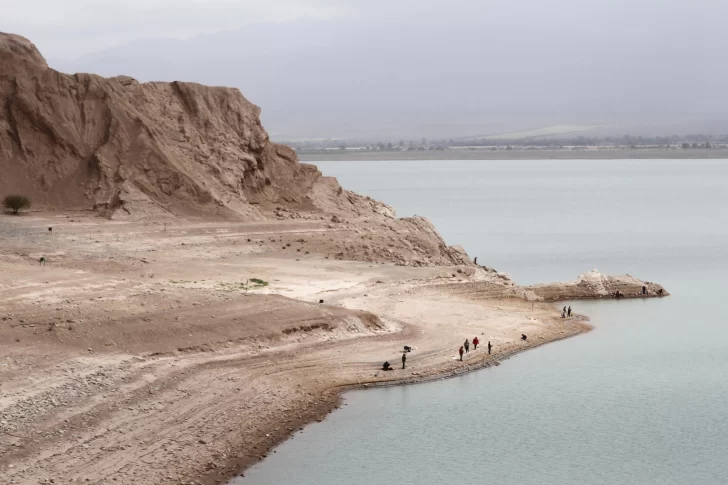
[145, 354]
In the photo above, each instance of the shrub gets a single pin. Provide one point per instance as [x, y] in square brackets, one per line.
[16, 202]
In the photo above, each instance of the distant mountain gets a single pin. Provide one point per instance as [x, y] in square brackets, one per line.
[392, 79]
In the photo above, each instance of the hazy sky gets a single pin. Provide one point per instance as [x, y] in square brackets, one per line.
[70, 28]
[379, 68]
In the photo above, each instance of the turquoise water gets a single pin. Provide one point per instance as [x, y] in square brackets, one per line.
[643, 399]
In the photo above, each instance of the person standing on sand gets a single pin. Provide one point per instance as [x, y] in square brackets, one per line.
[489, 347]
[475, 261]
[564, 312]
[461, 354]
[568, 313]
[467, 345]
[42, 261]
[475, 343]
[404, 359]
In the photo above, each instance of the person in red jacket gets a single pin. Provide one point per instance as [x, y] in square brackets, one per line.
[475, 343]
[462, 351]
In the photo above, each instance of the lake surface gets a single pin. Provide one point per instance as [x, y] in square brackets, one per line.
[643, 399]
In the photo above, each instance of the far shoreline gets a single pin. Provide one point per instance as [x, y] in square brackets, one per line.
[515, 154]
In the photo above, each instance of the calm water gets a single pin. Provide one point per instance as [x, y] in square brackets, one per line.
[643, 399]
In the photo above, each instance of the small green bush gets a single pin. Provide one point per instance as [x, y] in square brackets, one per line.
[16, 202]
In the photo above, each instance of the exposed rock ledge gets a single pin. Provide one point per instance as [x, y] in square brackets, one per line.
[595, 284]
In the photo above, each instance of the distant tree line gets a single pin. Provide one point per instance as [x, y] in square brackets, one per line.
[686, 142]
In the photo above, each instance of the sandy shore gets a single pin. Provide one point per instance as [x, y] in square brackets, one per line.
[140, 355]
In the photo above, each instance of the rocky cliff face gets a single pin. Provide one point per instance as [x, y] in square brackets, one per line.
[130, 149]
[148, 150]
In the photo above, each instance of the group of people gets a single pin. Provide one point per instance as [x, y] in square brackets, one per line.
[645, 292]
[465, 348]
[388, 366]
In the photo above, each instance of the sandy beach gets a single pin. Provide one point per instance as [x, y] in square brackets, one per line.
[140, 355]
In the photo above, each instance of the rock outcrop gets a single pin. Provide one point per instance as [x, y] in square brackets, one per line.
[149, 150]
[126, 148]
[595, 284]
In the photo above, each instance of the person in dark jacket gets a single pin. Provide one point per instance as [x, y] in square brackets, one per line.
[461, 354]
[467, 346]
[404, 359]
[568, 312]
[489, 347]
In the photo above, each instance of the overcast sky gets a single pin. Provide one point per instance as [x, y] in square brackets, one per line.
[379, 68]
[70, 28]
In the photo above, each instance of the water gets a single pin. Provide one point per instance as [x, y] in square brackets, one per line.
[643, 399]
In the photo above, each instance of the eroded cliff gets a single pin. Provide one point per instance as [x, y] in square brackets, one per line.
[148, 150]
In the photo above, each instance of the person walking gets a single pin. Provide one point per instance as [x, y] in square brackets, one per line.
[467, 346]
[404, 359]
[461, 353]
[475, 343]
[568, 312]
[489, 347]
[564, 312]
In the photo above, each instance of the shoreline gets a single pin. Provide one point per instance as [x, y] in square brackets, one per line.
[335, 394]
[483, 155]
[137, 355]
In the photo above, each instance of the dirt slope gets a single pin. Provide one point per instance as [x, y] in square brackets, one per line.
[125, 148]
[153, 151]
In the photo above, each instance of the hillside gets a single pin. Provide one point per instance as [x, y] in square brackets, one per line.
[126, 148]
[149, 151]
